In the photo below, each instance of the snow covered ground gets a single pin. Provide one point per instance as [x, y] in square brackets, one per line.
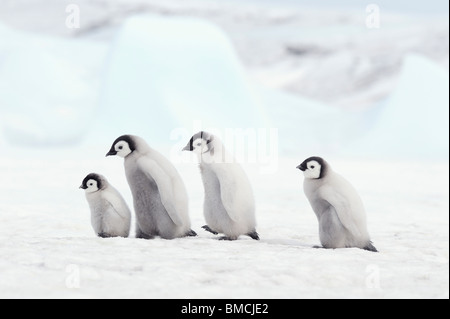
[48, 248]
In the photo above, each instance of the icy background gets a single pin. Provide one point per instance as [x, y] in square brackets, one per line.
[374, 102]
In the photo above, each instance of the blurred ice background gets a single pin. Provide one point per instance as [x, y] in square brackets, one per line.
[374, 101]
[148, 67]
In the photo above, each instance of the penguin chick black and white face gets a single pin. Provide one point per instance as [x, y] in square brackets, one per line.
[313, 167]
[92, 183]
[200, 143]
[122, 146]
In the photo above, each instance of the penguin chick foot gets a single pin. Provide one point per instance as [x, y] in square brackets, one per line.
[206, 227]
[254, 235]
[227, 238]
[318, 247]
[142, 235]
[104, 235]
[370, 247]
[191, 233]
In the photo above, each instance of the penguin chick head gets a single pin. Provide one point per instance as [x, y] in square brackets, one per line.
[122, 146]
[313, 167]
[92, 183]
[200, 143]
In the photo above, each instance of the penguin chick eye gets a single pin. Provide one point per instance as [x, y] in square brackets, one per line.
[312, 166]
[90, 184]
[120, 147]
[199, 144]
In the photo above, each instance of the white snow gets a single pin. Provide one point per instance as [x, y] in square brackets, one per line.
[49, 250]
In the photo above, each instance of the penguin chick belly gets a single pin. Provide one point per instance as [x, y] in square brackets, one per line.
[215, 213]
[96, 218]
[103, 220]
[151, 215]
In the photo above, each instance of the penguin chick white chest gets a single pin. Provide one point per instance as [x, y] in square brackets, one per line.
[110, 215]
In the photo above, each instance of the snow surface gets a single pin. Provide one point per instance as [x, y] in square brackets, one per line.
[48, 248]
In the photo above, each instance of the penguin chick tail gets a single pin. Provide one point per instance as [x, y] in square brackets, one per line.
[370, 247]
[254, 235]
[191, 233]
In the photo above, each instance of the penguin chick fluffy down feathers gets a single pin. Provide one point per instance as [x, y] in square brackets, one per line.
[159, 195]
[110, 215]
[229, 204]
[337, 205]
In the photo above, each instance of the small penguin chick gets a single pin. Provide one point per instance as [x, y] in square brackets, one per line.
[159, 195]
[229, 205]
[337, 205]
[110, 215]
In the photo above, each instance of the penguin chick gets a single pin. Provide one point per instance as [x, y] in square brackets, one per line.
[110, 215]
[229, 205]
[159, 195]
[337, 205]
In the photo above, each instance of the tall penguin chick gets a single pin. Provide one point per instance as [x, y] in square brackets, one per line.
[337, 205]
[159, 195]
[110, 215]
[229, 205]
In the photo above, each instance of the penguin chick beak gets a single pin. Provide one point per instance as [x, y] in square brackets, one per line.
[301, 167]
[187, 148]
[81, 187]
[111, 153]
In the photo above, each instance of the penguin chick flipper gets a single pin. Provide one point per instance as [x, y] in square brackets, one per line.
[370, 247]
[207, 228]
[166, 191]
[229, 194]
[190, 233]
[254, 235]
[340, 205]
